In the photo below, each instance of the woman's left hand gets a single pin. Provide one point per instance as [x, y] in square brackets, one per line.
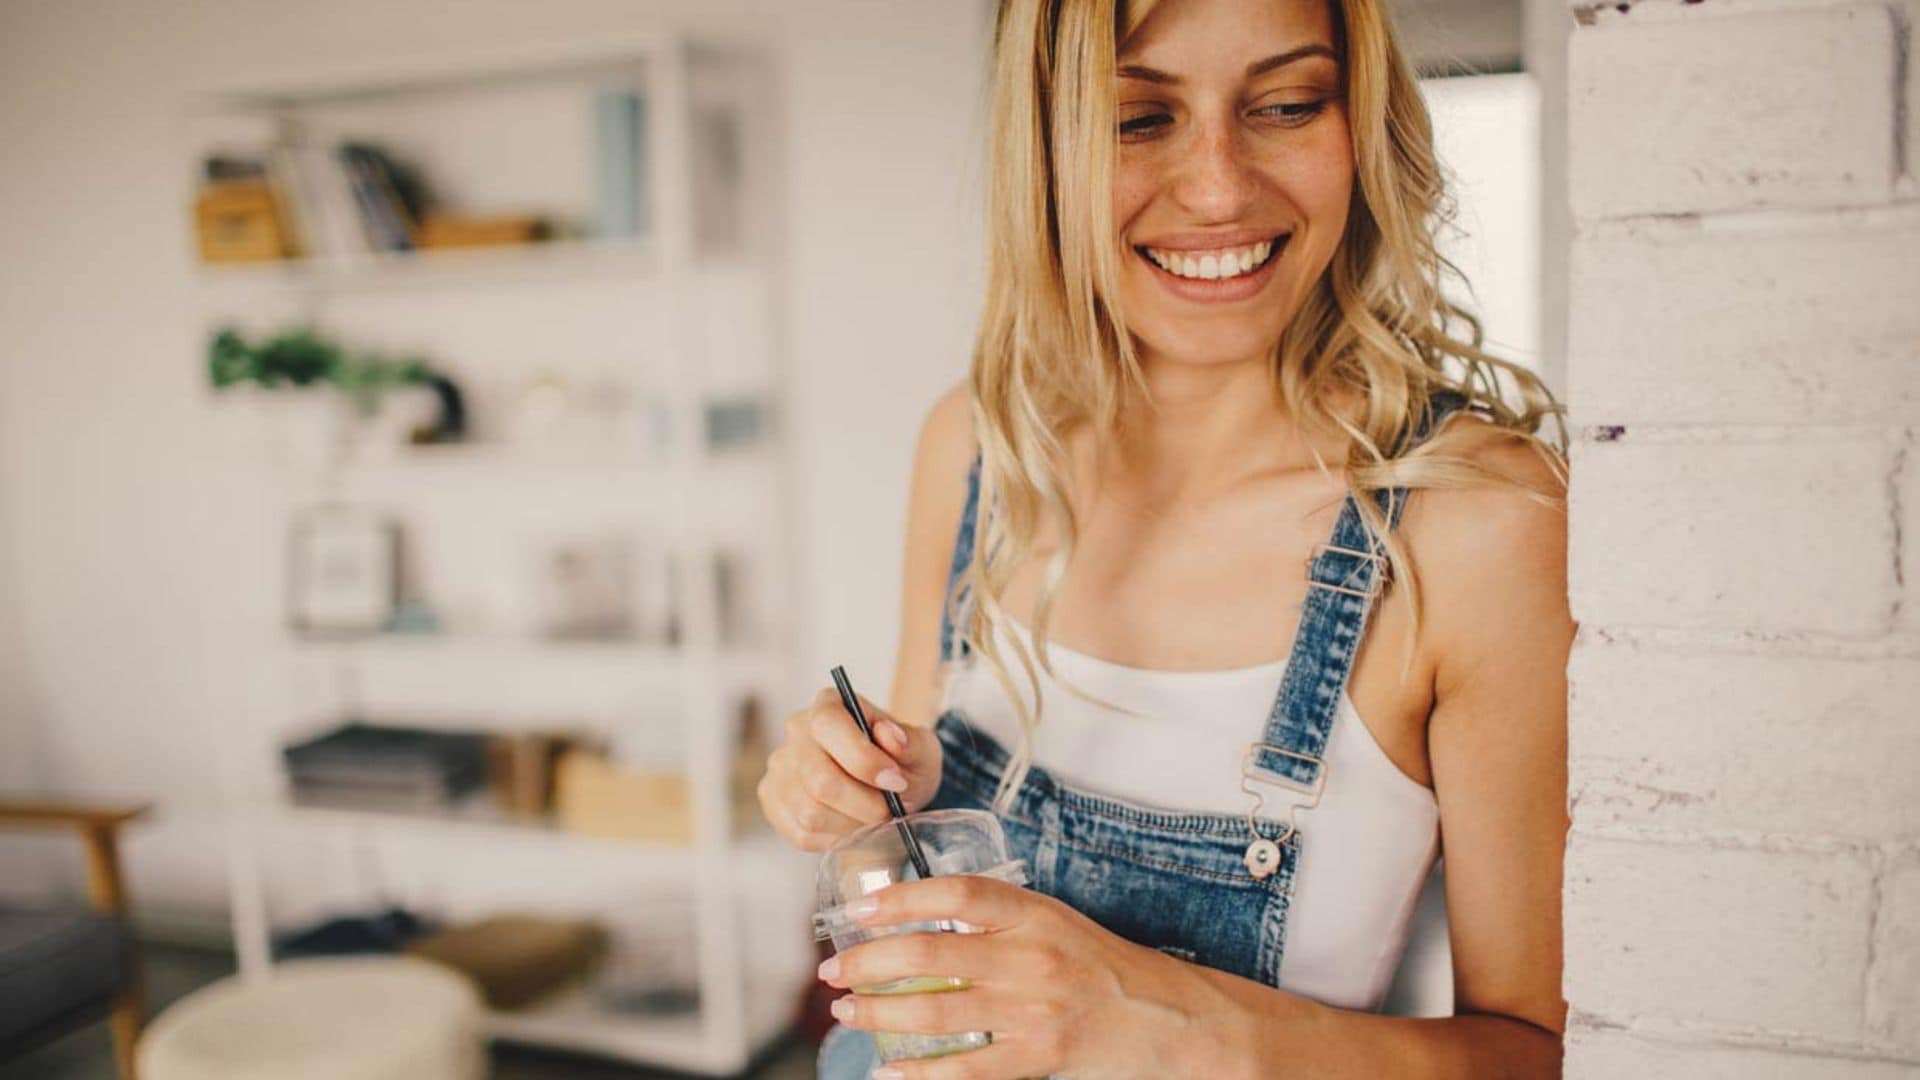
[1059, 993]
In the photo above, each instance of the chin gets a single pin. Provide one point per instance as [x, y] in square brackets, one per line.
[1199, 348]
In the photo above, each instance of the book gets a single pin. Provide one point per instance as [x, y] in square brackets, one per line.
[619, 119]
[389, 221]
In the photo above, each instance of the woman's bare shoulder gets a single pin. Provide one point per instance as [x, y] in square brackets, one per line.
[935, 503]
[1498, 545]
[946, 445]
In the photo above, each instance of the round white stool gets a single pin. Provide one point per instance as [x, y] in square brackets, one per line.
[358, 1018]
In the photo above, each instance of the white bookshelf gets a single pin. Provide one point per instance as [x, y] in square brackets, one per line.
[679, 322]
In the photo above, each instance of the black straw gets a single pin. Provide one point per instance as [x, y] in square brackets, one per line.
[899, 812]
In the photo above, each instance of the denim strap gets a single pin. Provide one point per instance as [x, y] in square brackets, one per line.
[1343, 577]
[950, 640]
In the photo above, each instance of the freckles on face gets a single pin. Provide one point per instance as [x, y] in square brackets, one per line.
[1233, 176]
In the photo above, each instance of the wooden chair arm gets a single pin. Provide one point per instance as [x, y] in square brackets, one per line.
[37, 813]
[99, 827]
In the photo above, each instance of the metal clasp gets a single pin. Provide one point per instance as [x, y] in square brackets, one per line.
[1381, 570]
[1249, 774]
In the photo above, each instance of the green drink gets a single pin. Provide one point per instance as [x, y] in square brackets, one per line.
[867, 861]
[899, 1046]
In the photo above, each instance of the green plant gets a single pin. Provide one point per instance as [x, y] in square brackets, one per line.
[302, 358]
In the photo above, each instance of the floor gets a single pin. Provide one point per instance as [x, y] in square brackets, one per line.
[173, 971]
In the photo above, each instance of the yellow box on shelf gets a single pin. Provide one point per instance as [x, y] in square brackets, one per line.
[594, 797]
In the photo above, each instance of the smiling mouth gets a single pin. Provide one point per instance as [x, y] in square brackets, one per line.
[1220, 264]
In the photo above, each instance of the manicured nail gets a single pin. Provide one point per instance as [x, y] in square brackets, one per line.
[887, 1072]
[891, 780]
[891, 734]
[830, 969]
[842, 1008]
[863, 907]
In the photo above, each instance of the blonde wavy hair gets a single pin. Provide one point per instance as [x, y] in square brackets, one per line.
[1053, 352]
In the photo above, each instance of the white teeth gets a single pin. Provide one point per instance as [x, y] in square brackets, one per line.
[1212, 265]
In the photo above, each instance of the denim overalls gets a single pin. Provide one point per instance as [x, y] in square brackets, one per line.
[1206, 887]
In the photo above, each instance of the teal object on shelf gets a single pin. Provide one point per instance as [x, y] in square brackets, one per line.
[620, 129]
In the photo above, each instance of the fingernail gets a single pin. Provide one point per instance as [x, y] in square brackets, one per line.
[891, 780]
[887, 1072]
[892, 735]
[842, 1008]
[863, 907]
[830, 969]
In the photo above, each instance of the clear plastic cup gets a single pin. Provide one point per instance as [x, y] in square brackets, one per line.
[954, 842]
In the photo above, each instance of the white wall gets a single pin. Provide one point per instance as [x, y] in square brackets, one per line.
[124, 524]
[1743, 875]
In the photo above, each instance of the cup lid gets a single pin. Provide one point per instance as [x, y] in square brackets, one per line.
[835, 919]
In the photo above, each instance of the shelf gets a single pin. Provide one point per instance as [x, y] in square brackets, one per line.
[280, 86]
[475, 817]
[495, 647]
[439, 267]
[613, 460]
[651, 658]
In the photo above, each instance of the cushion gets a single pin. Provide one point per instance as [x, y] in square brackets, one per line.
[54, 962]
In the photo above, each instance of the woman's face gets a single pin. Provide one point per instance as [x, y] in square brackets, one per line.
[1233, 173]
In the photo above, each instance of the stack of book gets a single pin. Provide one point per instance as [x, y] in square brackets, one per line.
[380, 767]
[302, 199]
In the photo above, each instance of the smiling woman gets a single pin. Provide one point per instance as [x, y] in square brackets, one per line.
[1216, 348]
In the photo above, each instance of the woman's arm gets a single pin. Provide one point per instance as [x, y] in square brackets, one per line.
[934, 505]
[1492, 569]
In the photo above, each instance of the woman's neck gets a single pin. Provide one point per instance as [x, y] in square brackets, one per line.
[1206, 428]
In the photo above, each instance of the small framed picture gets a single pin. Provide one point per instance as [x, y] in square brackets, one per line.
[343, 571]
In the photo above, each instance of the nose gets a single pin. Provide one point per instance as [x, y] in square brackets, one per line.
[1215, 182]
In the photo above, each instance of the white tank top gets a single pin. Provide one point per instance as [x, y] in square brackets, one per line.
[1368, 846]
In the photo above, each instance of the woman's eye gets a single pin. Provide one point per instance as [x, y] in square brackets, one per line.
[1134, 127]
[1292, 113]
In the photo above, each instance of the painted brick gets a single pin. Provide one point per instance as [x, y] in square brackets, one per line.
[1910, 533]
[1771, 536]
[1714, 742]
[1708, 324]
[1731, 938]
[1893, 993]
[1613, 1054]
[1790, 107]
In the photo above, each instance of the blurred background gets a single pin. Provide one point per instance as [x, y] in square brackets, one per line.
[439, 442]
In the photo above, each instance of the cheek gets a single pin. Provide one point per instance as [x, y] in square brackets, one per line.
[1133, 186]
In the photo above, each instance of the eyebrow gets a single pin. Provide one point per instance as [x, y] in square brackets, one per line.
[1254, 70]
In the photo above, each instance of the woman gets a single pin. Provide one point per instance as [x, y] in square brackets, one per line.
[1214, 351]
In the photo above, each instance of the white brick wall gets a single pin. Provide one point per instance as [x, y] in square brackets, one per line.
[1676, 111]
[1893, 985]
[1706, 741]
[1743, 873]
[1909, 489]
[1736, 534]
[1609, 1054]
[1725, 937]
[1814, 320]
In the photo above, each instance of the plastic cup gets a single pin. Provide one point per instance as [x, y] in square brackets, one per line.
[954, 842]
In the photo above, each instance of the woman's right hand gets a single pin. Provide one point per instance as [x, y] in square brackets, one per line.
[825, 780]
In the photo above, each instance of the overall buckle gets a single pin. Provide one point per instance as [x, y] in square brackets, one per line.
[1382, 570]
[1263, 855]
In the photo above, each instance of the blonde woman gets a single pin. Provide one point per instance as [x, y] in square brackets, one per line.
[1234, 584]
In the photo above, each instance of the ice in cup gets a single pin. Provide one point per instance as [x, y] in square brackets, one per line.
[954, 842]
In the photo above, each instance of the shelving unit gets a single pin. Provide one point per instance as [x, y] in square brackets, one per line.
[672, 315]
